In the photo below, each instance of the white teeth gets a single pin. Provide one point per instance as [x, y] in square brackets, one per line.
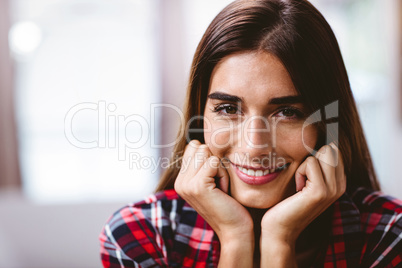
[260, 172]
[251, 172]
[256, 173]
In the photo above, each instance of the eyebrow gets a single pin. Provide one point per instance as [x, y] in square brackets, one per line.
[280, 100]
[286, 100]
[224, 96]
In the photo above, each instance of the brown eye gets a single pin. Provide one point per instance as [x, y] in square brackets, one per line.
[226, 109]
[288, 112]
[230, 110]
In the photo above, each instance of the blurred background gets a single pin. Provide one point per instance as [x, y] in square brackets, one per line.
[81, 121]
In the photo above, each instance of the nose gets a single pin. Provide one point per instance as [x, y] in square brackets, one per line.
[256, 137]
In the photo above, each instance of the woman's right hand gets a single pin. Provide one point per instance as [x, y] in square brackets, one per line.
[228, 218]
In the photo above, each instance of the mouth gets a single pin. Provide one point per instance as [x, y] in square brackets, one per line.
[258, 176]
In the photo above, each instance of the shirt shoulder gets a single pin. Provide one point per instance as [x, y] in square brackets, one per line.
[136, 235]
[381, 224]
[160, 231]
[162, 209]
[370, 201]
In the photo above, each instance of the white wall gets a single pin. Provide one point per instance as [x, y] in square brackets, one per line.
[392, 182]
[50, 236]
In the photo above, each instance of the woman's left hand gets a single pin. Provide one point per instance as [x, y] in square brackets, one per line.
[320, 181]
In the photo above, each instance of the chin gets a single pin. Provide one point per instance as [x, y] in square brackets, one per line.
[263, 196]
[257, 200]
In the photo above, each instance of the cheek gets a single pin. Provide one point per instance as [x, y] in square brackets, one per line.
[296, 141]
[218, 135]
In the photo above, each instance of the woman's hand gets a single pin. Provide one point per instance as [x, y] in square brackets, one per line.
[320, 181]
[230, 220]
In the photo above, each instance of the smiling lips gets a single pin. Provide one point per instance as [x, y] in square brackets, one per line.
[257, 176]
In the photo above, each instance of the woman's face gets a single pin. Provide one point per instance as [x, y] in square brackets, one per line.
[253, 122]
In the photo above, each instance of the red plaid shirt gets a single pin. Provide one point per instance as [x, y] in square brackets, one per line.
[164, 231]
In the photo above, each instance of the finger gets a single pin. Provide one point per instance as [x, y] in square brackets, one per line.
[339, 161]
[209, 171]
[195, 156]
[188, 156]
[201, 156]
[327, 159]
[194, 181]
[300, 182]
[223, 178]
[191, 148]
[300, 177]
[194, 143]
[309, 174]
[328, 155]
[339, 170]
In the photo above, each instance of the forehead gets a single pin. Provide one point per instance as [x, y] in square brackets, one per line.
[257, 76]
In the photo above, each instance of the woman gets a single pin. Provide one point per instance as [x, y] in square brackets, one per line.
[273, 167]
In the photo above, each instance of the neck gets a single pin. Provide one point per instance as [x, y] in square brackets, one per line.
[257, 215]
[310, 241]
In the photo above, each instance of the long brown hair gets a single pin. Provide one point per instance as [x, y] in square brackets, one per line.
[296, 33]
